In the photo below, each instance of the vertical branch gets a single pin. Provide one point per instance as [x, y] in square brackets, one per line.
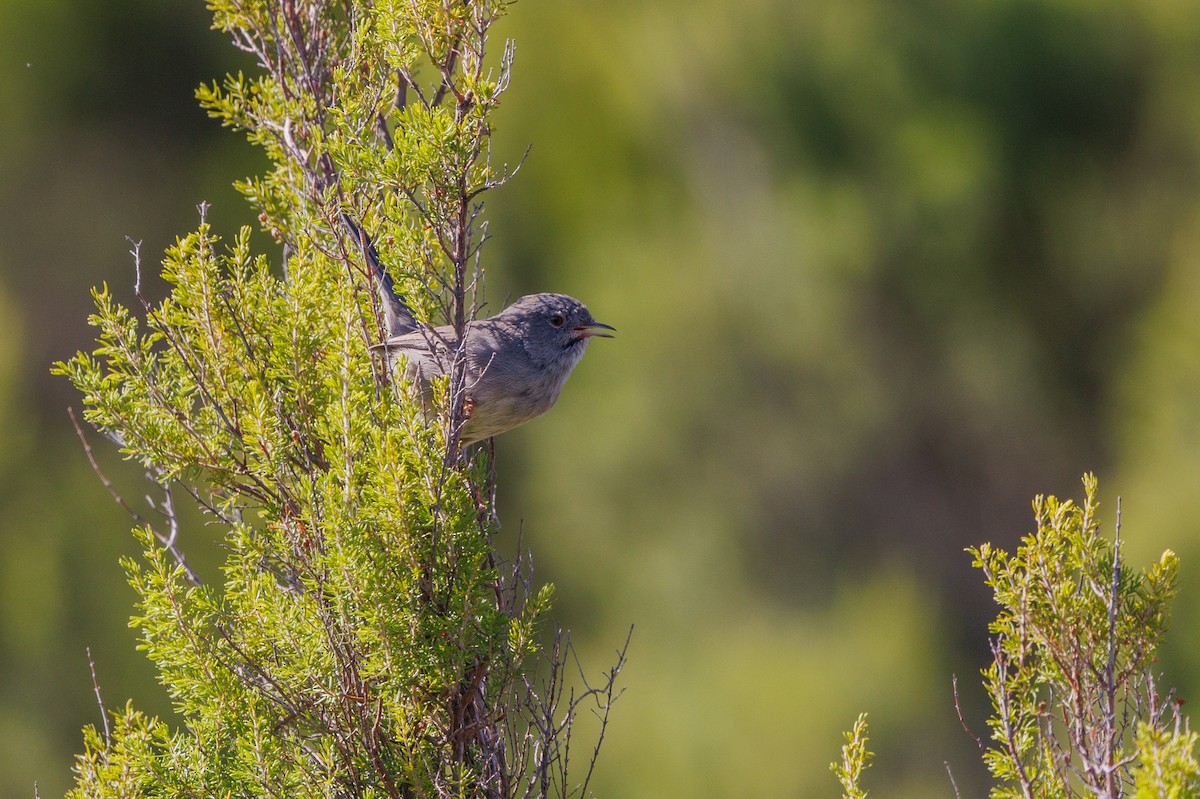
[1005, 718]
[1111, 744]
[99, 698]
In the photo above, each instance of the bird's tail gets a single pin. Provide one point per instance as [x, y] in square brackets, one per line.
[397, 316]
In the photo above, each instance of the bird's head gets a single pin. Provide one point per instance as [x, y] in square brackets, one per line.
[555, 327]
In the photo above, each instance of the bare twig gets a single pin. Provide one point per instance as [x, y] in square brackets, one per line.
[961, 720]
[99, 698]
[953, 784]
[605, 695]
[168, 541]
[136, 252]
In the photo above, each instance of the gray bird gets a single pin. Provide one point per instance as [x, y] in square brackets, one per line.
[515, 363]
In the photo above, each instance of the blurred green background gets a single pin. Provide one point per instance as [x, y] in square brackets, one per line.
[882, 272]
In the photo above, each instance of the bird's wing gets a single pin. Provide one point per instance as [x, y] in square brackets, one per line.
[429, 352]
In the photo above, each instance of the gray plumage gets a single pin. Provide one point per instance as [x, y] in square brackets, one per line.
[515, 363]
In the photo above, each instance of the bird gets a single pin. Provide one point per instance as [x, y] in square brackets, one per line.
[514, 363]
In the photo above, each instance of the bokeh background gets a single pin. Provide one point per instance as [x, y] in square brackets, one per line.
[883, 271]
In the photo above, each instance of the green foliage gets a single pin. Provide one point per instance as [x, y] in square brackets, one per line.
[855, 759]
[1073, 649]
[1166, 765]
[346, 115]
[364, 639]
[951, 270]
[1076, 707]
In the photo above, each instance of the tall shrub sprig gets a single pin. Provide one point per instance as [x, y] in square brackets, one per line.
[363, 638]
[1076, 706]
[1072, 680]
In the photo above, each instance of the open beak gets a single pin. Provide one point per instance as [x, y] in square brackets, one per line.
[593, 329]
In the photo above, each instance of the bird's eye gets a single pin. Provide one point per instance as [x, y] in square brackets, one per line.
[557, 320]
